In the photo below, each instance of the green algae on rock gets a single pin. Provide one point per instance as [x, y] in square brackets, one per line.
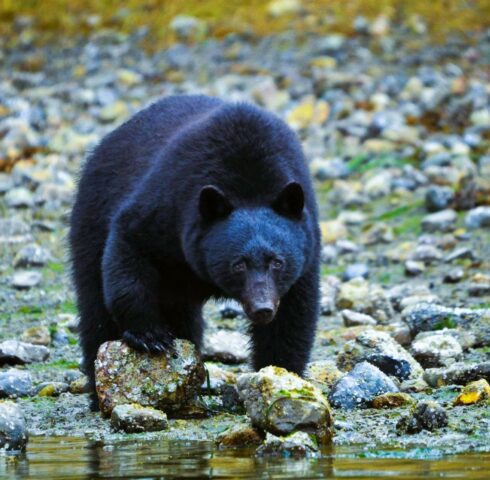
[281, 402]
[239, 435]
[168, 383]
[297, 444]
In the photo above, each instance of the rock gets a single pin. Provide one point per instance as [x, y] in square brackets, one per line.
[474, 392]
[13, 429]
[437, 351]
[415, 385]
[168, 383]
[15, 383]
[360, 386]
[37, 335]
[333, 230]
[297, 445]
[427, 317]
[238, 436]
[19, 197]
[277, 8]
[113, 111]
[187, 27]
[377, 233]
[356, 270]
[136, 419]
[25, 279]
[324, 372]
[226, 346]
[51, 389]
[427, 254]
[460, 254]
[13, 352]
[360, 296]
[393, 400]
[13, 231]
[216, 377]
[457, 374]
[425, 416]
[438, 198]
[478, 217]
[80, 385]
[230, 399]
[31, 256]
[281, 403]
[454, 275]
[328, 289]
[414, 268]
[443, 221]
[328, 169]
[354, 319]
[381, 350]
[378, 185]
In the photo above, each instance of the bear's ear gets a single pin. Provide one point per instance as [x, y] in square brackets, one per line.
[291, 201]
[213, 204]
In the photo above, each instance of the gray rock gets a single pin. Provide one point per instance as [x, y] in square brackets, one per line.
[414, 268]
[13, 231]
[460, 254]
[427, 254]
[281, 403]
[136, 419]
[457, 374]
[187, 27]
[297, 445]
[13, 429]
[356, 270]
[14, 352]
[226, 346]
[25, 279]
[454, 275]
[353, 319]
[438, 198]
[425, 416]
[51, 389]
[436, 350]
[328, 288]
[381, 350]
[166, 382]
[15, 383]
[31, 256]
[360, 386]
[443, 221]
[19, 197]
[478, 217]
[425, 317]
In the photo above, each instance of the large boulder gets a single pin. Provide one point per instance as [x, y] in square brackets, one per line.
[166, 382]
[281, 402]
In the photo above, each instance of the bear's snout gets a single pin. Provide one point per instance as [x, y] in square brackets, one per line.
[262, 313]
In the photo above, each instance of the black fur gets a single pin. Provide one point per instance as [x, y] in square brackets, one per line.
[190, 199]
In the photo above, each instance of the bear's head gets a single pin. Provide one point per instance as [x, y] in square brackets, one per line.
[253, 254]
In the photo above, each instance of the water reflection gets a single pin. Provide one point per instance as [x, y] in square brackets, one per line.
[72, 458]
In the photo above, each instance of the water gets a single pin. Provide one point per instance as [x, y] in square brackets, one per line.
[57, 458]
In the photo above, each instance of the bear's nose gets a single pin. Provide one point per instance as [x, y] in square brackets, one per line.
[263, 314]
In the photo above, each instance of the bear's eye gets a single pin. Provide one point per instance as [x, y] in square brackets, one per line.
[277, 264]
[239, 267]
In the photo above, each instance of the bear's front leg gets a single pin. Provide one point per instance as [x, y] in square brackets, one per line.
[287, 341]
[132, 287]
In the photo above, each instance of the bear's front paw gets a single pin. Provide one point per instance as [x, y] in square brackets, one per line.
[152, 341]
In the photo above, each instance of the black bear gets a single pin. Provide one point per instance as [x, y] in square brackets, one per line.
[190, 199]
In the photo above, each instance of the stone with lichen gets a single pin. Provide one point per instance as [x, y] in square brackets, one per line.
[281, 402]
[136, 419]
[240, 435]
[167, 382]
[474, 392]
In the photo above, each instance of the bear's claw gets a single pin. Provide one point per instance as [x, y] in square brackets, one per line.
[149, 341]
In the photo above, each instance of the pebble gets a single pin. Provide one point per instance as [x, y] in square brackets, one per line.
[425, 416]
[13, 352]
[474, 392]
[438, 198]
[353, 319]
[355, 270]
[324, 372]
[457, 374]
[15, 383]
[51, 389]
[296, 445]
[443, 221]
[478, 217]
[360, 386]
[226, 346]
[137, 419]
[13, 428]
[393, 400]
[37, 336]
[414, 268]
[239, 436]
[25, 279]
[31, 256]
[19, 197]
[436, 350]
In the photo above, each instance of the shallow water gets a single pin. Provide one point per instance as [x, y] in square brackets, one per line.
[74, 458]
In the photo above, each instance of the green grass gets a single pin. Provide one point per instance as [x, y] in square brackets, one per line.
[400, 211]
[56, 364]
[363, 163]
[56, 267]
[67, 307]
